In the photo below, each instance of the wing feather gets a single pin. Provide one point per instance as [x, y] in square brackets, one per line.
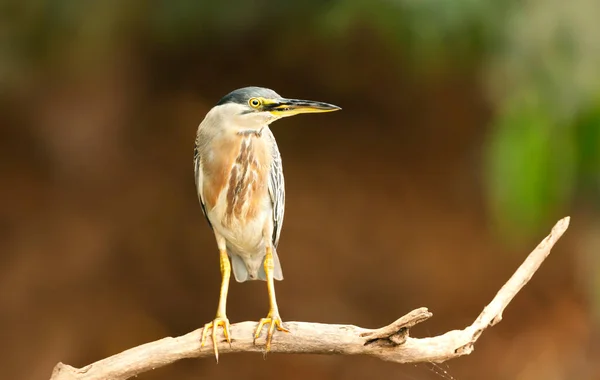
[276, 189]
[198, 174]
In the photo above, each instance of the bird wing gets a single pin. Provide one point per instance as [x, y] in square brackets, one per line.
[198, 174]
[276, 189]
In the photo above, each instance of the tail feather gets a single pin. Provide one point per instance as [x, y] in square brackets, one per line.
[243, 271]
[277, 272]
[240, 272]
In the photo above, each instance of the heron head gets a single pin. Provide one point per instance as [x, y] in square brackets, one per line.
[255, 107]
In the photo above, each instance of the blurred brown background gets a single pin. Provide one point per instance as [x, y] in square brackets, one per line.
[412, 196]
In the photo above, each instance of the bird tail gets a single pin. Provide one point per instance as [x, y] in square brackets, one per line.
[254, 270]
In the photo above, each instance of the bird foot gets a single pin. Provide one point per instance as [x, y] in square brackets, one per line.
[219, 321]
[274, 321]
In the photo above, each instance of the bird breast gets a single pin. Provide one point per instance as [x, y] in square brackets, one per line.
[236, 185]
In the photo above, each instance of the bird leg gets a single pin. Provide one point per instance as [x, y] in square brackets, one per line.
[273, 320]
[221, 318]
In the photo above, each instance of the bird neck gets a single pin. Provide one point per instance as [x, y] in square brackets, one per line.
[250, 132]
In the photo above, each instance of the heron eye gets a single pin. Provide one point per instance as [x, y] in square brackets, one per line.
[254, 102]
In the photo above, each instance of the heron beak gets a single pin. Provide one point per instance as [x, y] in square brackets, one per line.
[291, 107]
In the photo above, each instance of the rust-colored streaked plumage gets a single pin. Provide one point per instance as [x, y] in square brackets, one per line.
[247, 181]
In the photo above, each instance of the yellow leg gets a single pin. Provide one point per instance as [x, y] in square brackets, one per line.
[273, 319]
[221, 318]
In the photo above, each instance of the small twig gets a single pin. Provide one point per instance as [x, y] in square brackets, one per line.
[397, 332]
[390, 343]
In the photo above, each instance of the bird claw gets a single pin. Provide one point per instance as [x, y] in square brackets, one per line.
[274, 321]
[219, 321]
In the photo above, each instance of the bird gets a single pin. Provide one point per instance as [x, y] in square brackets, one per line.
[240, 184]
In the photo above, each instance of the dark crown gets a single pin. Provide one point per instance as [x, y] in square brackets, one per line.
[242, 95]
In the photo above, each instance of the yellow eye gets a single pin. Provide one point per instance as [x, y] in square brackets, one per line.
[254, 102]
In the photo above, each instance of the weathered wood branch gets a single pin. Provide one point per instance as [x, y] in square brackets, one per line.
[391, 343]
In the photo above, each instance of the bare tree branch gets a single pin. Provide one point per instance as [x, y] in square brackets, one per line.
[391, 343]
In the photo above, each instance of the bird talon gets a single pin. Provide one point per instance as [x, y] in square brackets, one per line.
[218, 322]
[274, 321]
